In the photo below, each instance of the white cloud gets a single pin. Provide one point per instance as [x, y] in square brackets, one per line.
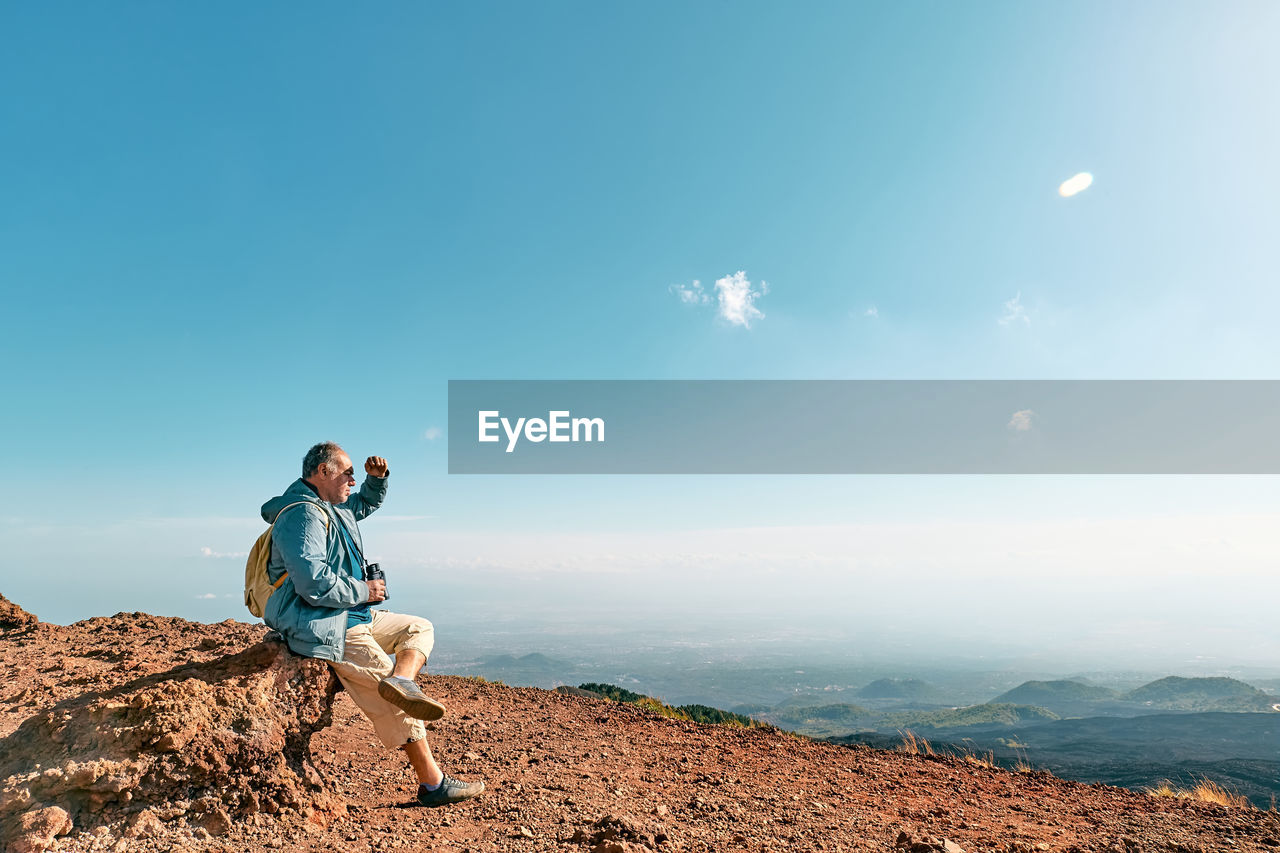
[206, 596]
[692, 294]
[871, 312]
[206, 551]
[432, 433]
[1077, 183]
[1015, 311]
[1021, 420]
[737, 299]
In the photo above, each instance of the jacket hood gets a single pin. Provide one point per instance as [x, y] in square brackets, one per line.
[299, 491]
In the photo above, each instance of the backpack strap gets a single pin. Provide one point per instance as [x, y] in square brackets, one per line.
[278, 583]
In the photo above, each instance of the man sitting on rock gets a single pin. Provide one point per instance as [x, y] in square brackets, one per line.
[323, 609]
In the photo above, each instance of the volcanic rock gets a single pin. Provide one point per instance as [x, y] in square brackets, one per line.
[14, 618]
[210, 743]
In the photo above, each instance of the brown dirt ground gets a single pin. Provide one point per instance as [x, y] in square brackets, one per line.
[573, 774]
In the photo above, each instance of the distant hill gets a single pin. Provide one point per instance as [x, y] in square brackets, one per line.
[1045, 693]
[1202, 694]
[534, 661]
[826, 721]
[1067, 698]
[821, 720]
[904, 690]
[831, 712]
[534, 669]
[990, 714]
[1241, 751]
[1070, 698]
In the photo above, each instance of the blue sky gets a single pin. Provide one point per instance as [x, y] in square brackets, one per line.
[225, 236]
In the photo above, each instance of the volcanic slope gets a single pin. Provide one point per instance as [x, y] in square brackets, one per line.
[569, 773]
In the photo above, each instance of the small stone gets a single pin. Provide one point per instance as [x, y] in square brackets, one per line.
[609, 847]
[949, 846]
[144, 824]
[471, 756]
[38, 827]
[525, 832]
[216, 822]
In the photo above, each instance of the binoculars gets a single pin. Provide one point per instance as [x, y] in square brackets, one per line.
[373, 572]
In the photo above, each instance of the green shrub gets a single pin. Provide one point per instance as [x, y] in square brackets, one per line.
[693, 713]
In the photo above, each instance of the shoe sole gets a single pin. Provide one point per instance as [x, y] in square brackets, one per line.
[454, 800]
[418, 707]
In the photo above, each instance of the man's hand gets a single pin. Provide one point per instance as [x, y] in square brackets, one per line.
[375, 466]
[377, 591]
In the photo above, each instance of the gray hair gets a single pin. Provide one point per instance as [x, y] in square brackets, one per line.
[324, 453]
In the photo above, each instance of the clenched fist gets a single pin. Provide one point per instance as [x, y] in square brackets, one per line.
[376, 466]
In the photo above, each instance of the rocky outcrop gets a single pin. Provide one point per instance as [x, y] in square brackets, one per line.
[14, 618]
[202, 745]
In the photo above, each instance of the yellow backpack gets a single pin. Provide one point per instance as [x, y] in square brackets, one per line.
[257, 586]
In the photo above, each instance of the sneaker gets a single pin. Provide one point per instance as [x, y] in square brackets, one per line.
[451, 790]
[405, 694]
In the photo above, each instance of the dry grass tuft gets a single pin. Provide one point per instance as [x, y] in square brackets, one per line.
[913, 745]
[987, 759]
[1204, 791]
[1207, 791]
[978, 759]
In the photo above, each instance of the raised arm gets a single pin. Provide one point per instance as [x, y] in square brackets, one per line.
[372, 491]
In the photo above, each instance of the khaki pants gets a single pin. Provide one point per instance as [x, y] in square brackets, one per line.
[366, 662]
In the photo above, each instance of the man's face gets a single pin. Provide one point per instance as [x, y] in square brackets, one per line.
[333, 482]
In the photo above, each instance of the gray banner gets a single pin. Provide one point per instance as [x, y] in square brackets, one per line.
[863, 427]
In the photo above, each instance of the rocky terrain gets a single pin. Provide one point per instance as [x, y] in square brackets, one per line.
[133, 733]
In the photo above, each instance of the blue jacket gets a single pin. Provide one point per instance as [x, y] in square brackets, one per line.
[310, 610]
